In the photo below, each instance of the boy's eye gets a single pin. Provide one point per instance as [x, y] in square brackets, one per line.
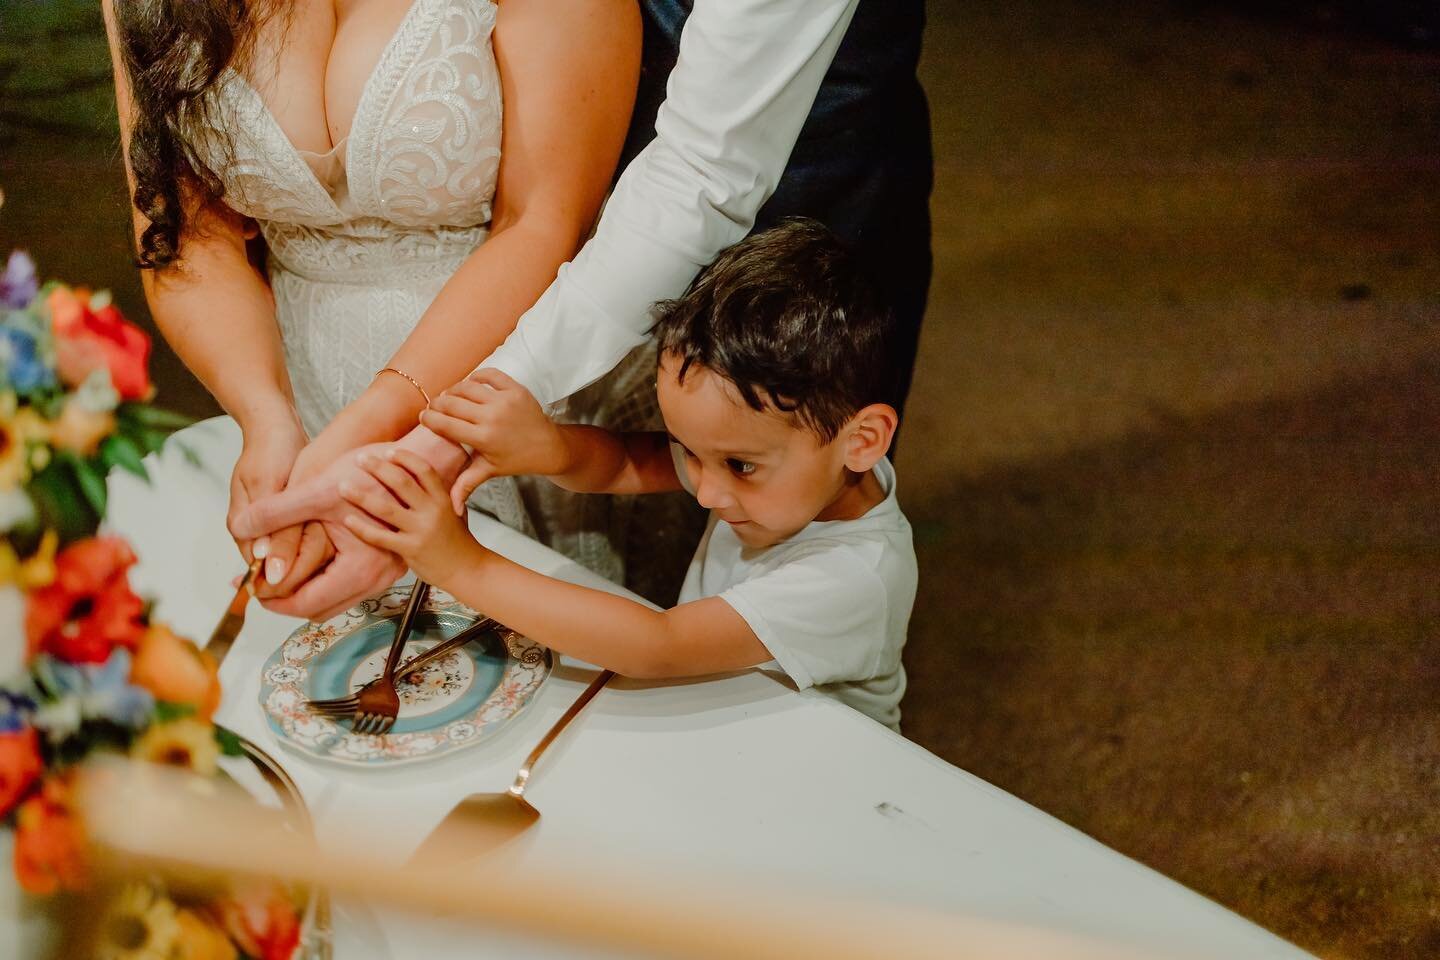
[740, 467]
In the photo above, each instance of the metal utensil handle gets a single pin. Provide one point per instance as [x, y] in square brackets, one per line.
[521, 778]
[444, 647]
[222, 638]
[418, 593]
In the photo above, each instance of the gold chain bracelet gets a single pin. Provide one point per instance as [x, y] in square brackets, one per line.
[413, 382]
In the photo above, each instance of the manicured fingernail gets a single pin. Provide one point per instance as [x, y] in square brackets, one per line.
[261, 548]
[274, 570]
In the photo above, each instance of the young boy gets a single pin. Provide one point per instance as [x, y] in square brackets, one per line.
[773, 380]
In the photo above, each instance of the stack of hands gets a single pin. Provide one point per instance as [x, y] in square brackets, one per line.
[351, 529]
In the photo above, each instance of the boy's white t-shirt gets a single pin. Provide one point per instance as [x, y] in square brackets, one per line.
[831, 604]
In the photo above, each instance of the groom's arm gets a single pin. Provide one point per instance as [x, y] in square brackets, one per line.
[746, 78]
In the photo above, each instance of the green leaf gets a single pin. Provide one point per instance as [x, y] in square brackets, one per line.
[60, 503]
[121, 451]
[165, 711]
[91, 481]
[229, 742]
[48, 404]
[190, 455]
[155, 417]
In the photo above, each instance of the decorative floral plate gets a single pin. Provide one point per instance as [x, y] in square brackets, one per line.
[455, 702]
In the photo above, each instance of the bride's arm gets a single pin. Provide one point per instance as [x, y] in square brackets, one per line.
[216, 311]
[568, 73]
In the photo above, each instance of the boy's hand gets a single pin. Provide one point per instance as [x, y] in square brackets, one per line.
[505, 427]
[416, 520]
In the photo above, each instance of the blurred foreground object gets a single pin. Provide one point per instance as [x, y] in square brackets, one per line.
[157, 820]
[83, 668]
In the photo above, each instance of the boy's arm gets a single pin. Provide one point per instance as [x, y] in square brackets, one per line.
[411, 517]
[702, 637]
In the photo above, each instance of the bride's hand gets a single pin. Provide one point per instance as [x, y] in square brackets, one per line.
[296, 553]
[270, 448]
[357, 569]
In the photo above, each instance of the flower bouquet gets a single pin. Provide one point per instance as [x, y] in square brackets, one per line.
[83, 665]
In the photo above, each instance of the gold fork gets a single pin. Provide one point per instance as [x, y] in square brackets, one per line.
[379, 704]
[335, 707]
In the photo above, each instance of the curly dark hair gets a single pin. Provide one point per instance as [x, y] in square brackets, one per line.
[174, 52]
[792, 320]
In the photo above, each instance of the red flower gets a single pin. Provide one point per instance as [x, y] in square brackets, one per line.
[20, 766]
[89, 609]
[261, 920]
[49, 842]
[88, 339]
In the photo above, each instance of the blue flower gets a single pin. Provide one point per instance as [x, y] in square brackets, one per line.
[20, 362]
[15, 711]
[19, 283]
[90, 692]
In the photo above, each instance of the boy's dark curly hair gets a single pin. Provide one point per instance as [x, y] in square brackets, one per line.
[790, 319]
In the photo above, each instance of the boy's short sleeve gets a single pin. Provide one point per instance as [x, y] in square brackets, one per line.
[822, 614]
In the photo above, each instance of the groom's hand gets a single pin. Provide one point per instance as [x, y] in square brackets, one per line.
[357, 569]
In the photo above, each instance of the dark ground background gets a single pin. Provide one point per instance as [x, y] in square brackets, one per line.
[1173, 450]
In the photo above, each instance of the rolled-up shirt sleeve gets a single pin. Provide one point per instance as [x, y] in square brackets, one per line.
[746, 78]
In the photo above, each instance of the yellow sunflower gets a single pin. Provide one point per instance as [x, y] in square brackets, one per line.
[19, 428]
[36, 570]
[141, 924]
[201, 940]
[188, 742]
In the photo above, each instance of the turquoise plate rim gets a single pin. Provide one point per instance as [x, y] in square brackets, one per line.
[284, 682]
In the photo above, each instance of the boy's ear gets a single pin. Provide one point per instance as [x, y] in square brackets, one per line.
[868, 436]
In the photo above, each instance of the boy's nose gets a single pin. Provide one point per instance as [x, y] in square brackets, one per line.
[712, 495]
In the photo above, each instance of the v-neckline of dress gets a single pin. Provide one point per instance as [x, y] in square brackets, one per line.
[367, 96]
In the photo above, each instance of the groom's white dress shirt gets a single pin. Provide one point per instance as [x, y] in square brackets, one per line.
[746, 78]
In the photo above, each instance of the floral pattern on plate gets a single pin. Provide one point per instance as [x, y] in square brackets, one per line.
[455, 702]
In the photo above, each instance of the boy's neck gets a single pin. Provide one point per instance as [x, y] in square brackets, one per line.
[859, 495]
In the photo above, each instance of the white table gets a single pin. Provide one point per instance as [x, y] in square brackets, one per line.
[665, 771]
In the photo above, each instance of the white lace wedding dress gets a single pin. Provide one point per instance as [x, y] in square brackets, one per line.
[362, 238]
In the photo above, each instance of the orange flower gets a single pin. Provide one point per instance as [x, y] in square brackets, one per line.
[20, 766]
[90, 337]
[89, 609]
[49, 842]
[81, 430]
[176, 671]
[261, 920]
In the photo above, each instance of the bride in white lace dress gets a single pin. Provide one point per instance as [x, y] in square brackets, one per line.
[417, 172]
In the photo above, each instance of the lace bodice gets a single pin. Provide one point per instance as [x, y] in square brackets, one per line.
[413, 182]
[361, 239]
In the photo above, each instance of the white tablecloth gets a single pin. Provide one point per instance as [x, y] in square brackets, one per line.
[738, 775]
